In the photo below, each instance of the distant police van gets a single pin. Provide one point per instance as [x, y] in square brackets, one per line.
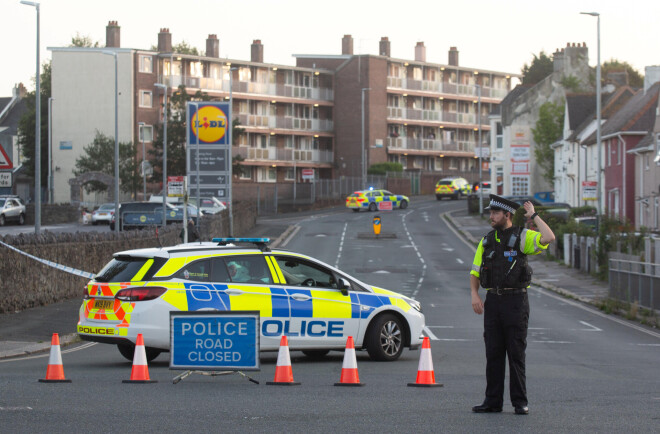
[315, 305]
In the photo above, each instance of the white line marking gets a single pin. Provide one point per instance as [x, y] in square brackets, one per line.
[552, 342]
[341, 245]
[459, 260]
[47, 353]
[591, 327]
[291, 235]
[15, 408]
[448, 249]
[648, 345]
[430, 334]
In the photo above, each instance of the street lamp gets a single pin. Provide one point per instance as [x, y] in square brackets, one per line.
[364, 160]
[144, 167]
[599, 143]
[114, 54]
[231, 147]
[37, 135]
[164, 87]
[481, 149]
[50, 150]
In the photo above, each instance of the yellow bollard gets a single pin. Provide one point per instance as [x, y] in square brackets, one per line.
[377, 225]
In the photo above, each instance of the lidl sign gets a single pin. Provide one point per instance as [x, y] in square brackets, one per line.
[208, 123]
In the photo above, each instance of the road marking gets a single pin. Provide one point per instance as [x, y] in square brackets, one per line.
[430, 334]
[597, 313]
[15, 408]
[648, 345]
[47, 353]
[459, 260]
[448, 249]
[591, 327]
[341, 245]
[551, 342]
[291, 235]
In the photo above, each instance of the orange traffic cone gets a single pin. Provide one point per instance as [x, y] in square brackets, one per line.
[349, 370]
[283, 371]
[140, 370]
[425, 375]
[55, 370]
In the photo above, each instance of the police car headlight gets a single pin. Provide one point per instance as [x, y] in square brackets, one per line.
[415, 304]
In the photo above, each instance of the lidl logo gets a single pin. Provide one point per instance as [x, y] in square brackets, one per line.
[210, 122]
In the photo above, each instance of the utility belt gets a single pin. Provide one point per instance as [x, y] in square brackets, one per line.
[507, 291]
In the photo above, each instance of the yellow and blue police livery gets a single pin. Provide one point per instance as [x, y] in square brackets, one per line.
[372, 199]
[314, 304]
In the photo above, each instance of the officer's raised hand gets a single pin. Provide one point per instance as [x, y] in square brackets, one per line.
[529, 209]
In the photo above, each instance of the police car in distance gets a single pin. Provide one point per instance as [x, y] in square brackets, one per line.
[314, 304]
[372, 199]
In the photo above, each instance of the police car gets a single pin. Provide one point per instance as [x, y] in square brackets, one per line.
[314, 304]
[375, 199]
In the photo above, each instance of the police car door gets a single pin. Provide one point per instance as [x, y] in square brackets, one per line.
[322, 316]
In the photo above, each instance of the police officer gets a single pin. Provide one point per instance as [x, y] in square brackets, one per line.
[500, 266]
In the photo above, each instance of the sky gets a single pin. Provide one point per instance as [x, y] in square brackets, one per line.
[494, 35]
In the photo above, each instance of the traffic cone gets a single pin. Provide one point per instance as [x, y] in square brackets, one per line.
[55, 370]
[283, 371]
[349, 370]
[425, 375]
[140, 370]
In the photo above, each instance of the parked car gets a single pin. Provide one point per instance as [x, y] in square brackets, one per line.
[545, 196]
[103, 214]
[136, 215]
[590, 222]
[484, 186]
[209, 205]
[453, 187]
[11, 209]
[522, 199]
[371, 200]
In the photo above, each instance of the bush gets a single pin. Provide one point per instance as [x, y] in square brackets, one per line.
[383, 168]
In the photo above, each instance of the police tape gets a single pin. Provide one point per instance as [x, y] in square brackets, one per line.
[52, 264]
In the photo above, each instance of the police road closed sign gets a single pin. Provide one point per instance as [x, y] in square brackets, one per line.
[385, 206]
[214, 341]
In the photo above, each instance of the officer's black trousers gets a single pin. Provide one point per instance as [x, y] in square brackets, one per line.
[505, 334]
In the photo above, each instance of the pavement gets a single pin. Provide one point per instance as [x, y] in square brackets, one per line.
[30, 331]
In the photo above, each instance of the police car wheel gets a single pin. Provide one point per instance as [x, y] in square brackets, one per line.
[315, 354]
[356, 209]
[128, 352]
[372, 207]
[404, 204]
[384, 340]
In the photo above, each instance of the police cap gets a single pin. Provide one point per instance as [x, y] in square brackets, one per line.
[500, 203]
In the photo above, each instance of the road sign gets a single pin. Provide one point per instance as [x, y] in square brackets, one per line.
[307, 173]
[176, 186]
[214, 341]
[5, 161]
[385, 206]
[206, 179]
[5, 179]
[589, 190]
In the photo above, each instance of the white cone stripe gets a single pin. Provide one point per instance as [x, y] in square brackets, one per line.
[425, 362]
[140, 356]
[55, 355]
[350, 362]
[283, 358]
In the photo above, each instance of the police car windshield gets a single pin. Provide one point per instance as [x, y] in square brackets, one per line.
[120, 269]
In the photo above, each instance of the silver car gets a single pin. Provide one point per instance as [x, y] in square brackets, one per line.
[103, 214]
[11, 209]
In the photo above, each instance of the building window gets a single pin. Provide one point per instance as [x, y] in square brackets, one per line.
[519, 185]
[500, 137]
[288, 175]
[266, 174]
[146, 64]
[247, 172]
[146, 133]
[453, 163]
[146, 99]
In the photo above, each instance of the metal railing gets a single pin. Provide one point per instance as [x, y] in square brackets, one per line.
[634, 281]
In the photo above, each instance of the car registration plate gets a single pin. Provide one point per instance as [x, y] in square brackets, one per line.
[104, 304]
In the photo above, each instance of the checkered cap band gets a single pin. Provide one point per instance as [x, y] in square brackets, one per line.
[505, 207]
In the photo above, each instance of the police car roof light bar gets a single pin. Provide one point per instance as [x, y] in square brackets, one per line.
[261, 243]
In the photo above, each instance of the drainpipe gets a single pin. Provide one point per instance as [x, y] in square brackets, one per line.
[623, 196]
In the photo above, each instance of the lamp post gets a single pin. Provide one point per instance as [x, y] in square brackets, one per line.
[164, 87]
[230, 207]
[144, 172]
[481, 194]
[37, 134]
[50, 150]
[114, 54]
[599, 143]
[364, 160]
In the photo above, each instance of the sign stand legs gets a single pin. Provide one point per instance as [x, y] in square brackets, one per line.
[212, 374]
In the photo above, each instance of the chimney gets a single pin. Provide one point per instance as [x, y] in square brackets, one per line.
[420, 52]
[19, 91]
[558, 60]
[651, 76]
[453, 56]
[165, 41]
[212, 46]
[617, 78]
[347, 45]
[257, 51]
[112, 34]
[384, 47]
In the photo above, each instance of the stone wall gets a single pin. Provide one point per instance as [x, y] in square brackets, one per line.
[26, 283]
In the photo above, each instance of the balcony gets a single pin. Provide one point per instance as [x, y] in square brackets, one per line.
[272, 154]
[429, 144]
[445, 87]
[270, 89]
[286, 122]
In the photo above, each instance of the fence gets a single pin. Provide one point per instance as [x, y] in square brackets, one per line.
[635, 281]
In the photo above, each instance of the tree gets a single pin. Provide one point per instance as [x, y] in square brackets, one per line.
[547, 131]
[27, 124]
[237, 168]
[184, 48]
[540, 68]
[635, 79]
[99, 156]
[83, 41]
[176, 135]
